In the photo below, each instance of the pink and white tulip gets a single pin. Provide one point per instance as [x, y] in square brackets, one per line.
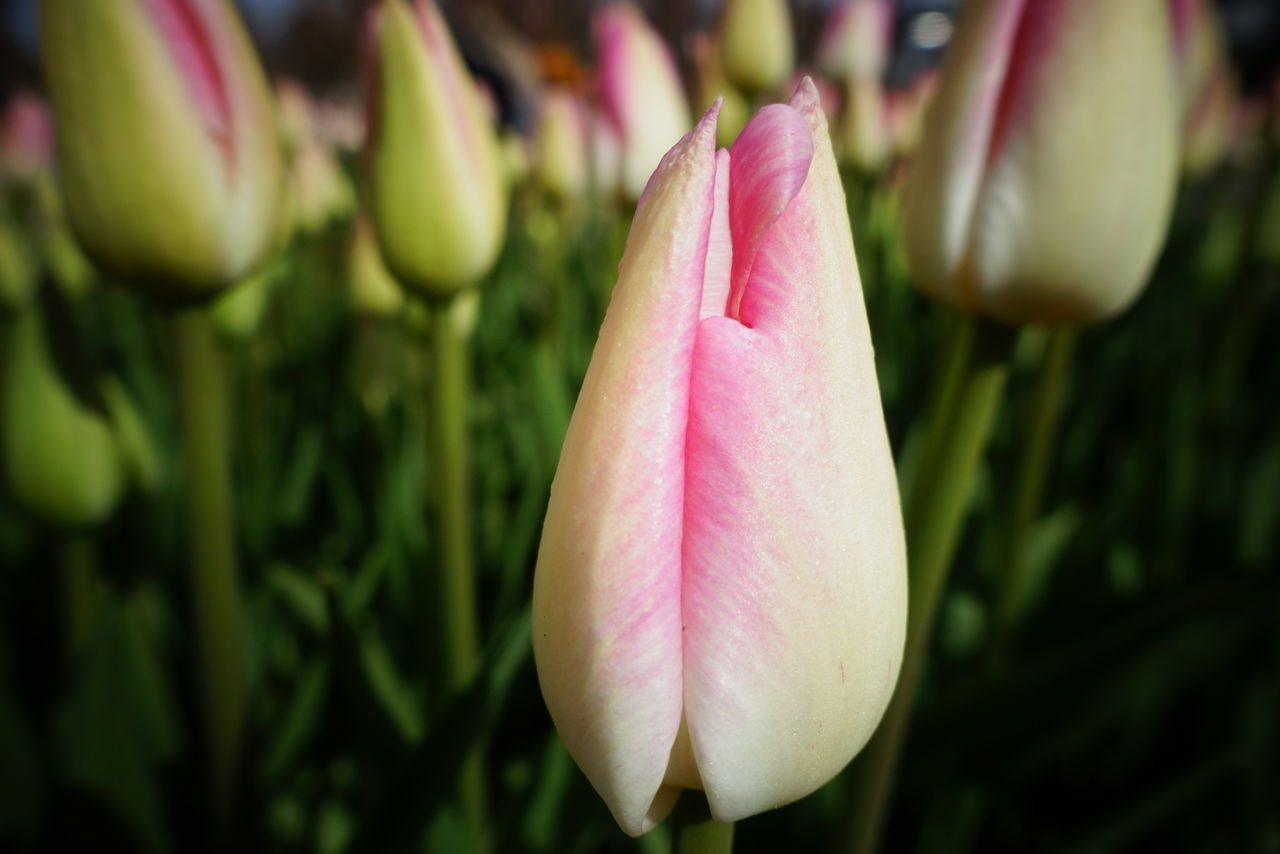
[720, 595]
[1045, 179]
[640, 91]
[856, 40]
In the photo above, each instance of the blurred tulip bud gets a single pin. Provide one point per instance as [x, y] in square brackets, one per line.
[866, 134]
[295, 107]
[167, 142]
[562, 166]
[239, 310]
[439, 195]
[639, 90]
[712, 84]
[907, 109]
[26, 137]
[856, 40]
[606, 156]
[374, 291]
[321, 192]
[756, 44]
[1043, 186]
[60, 457]
[719, 601]
[1209, 94]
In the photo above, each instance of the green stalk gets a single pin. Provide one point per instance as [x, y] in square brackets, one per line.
[202, 398]
[1033, 469]
[694, 831]
[958, 436]
[81, 595]
[450, 461]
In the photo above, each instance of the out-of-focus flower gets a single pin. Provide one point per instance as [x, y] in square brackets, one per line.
[720, 595]
[1043, 186]
[374, 291]
[562, 164]
[133, 440]
[239, 310]
[168, 150]
[866, 132]
[321, 191]
[439, 195]
[856, 39]
[26, 137]
[1210, 99]
[60, 458]
[18, 265]
[756, 44]
[907, 108]
[295, 108]
[639, 90]
[606, 155]
[713, 84]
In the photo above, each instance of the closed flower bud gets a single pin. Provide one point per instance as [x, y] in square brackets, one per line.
[719, 601]
[640, 92]
[1043, 185]
[561, 164]
[59, 454]
[756, 44]
[439, 196]
[167, 141]
[856, 40]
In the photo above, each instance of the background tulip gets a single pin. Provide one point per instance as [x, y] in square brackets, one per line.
[856, 40]
[167, 141]
[1045, 179]
[439, 198]
[719, 599]
[640, 91]
[562, 164]
[756, 44]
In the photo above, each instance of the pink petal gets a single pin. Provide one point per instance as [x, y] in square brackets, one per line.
[606, 599]
[794, 593]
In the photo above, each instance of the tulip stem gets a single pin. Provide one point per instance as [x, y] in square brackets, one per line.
[1046, 411]
[958, 436]
[214, 585]
[451, 497]
[694, 831]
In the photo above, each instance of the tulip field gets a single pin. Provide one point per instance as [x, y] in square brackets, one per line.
[664, 440]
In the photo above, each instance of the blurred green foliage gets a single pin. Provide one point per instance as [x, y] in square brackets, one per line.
[1132, 706]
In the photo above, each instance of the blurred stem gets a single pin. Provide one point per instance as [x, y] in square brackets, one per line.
[82, 594]
[958, 434]
[202, 397]
[1033, 469]
[694, 831]
[450, 460]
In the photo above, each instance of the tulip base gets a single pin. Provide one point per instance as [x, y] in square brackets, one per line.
[214, 585]
[962, 415]
[694, 831]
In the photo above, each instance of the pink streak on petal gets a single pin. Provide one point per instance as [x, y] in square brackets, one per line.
[188, 28]
[715, 281]
[610, 24]
[1032, 44]
[440, 55]
[770, 159]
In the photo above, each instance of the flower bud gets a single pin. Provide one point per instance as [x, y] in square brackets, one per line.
[373, 290]
[639, 90]
[719, 601]
[439, 197]
[756, 44]
[1044, 182]
[561, 162]
[856, 40]
[167, 142]
[59, 453]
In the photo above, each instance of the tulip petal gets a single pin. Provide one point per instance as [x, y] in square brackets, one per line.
[1100, 65]
[606, 597]
[794, 586]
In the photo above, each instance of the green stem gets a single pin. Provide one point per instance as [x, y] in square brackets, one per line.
[940, 497]
[694, 831]
[450, 461]
[202, 397]
[1033, 469]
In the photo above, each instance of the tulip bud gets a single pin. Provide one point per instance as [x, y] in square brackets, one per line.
[561, 165]
[866, 133]
[856, 40]
[373, 290]
[719, 601]
[167, 146]
[712, 84]
[1043, 186]
[321, 192]
[26, 137]
[60, 457]
[640, 91]
[756, 44]
[1208, 86]
[439, 201]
